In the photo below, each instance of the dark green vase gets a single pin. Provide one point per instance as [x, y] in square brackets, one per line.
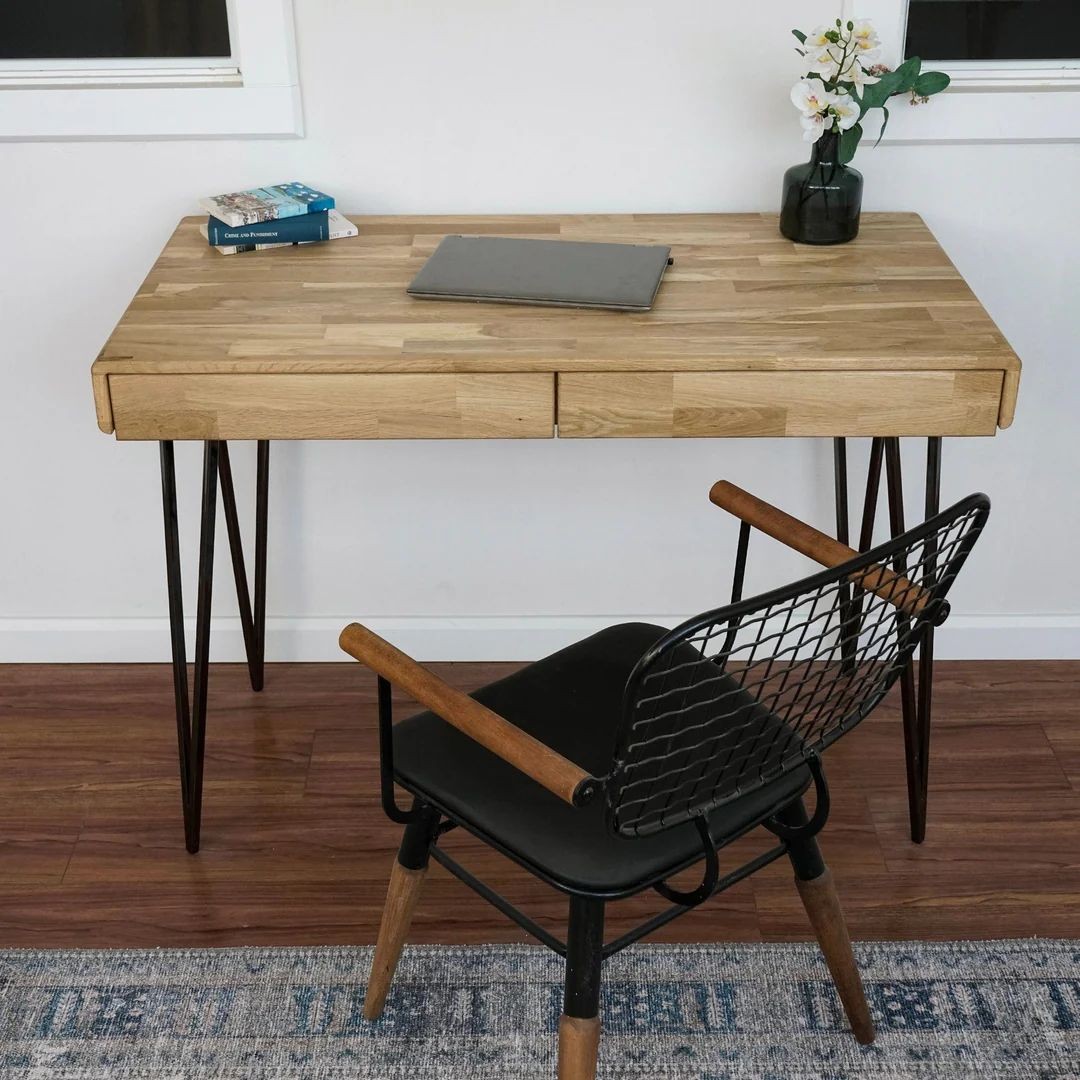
[822, 198]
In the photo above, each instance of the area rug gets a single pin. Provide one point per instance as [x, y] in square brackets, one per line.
[767, 1012]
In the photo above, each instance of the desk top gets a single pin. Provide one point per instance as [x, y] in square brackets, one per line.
[739, 298]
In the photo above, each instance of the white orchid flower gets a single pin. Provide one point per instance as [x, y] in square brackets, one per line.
[809, 96]
[817, 38]
[855, 74]
[846, 110]
[814, 127]
[826, 62]
[865, 37]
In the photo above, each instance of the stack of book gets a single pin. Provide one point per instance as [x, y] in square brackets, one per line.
[272, 217]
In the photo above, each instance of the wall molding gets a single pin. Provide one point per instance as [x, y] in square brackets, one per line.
[146, 640]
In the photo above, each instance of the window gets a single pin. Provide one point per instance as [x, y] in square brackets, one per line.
[186, 68]
[114, 29]
[1014, 67]
[989, 30]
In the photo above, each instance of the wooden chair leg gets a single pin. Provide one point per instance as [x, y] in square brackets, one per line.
[401, 900]
[579, 1026]
[822, 903]
[406, 880]
[579, 1044]
[818, 892]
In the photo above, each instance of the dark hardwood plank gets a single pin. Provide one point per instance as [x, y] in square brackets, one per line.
[999, 756]
[984, 833]
[296, 849]
[36, 841]
[1064, 736]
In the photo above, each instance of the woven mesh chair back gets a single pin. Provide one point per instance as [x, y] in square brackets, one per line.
[734, 698]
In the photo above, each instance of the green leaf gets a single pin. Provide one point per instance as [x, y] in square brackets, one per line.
[930, 83]
[876, 94]
[906, 74]
[800, 35]
[849, 143]
[884, 124]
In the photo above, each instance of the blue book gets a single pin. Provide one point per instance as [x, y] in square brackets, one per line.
[267, 204]
[292, 230]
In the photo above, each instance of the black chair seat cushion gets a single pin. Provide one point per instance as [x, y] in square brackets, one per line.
[572, 701]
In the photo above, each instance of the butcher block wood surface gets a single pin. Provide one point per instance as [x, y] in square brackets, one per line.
[884, 334]
[295, 406]
[675, 404]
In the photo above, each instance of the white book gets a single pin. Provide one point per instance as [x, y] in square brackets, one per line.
[340, 228]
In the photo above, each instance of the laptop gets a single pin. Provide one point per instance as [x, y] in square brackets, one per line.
[560, 273]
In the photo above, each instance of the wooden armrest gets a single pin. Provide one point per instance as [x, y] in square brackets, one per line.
[819, 546]
[561, 777]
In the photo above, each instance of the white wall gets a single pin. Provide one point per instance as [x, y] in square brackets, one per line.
[501, 105]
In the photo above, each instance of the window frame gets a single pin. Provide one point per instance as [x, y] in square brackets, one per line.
[254, 93]
[1002, 101]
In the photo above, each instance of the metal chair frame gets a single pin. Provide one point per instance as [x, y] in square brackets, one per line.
[863, 591]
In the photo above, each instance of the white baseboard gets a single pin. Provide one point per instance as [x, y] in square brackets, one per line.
[130, 640]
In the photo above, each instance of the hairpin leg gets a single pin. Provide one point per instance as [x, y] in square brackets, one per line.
[262, 513]
[926, 646]
[197, 749]
[909, 707]
[252, 622]
[873, 487]
[176, 619]
[866, 532]
[191, 709]
[848, 611]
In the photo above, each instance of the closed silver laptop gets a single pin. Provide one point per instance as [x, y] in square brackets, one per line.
[563, 273]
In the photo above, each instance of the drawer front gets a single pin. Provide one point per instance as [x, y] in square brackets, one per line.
[778, 403]
[316, 406]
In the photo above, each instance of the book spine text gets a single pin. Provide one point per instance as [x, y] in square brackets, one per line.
[291, 230]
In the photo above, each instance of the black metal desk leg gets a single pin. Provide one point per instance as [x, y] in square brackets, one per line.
[176, 618]
[840, 485]
[926, 645]
[190, 712]
[262, 511]
[873, 487]
[252, 622]
[914, 741]
[197, 751]
[191, 708]
[848, 612]
[866, 531]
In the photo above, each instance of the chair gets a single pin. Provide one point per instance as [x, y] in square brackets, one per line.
[622, 760]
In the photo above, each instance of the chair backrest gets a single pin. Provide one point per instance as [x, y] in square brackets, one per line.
[734, 698]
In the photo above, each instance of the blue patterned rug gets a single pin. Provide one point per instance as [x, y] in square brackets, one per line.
[681, 1012]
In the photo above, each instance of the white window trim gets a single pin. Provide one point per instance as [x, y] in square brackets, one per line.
[254, 93]
[1008, 101]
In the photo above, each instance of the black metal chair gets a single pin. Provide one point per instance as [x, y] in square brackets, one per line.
[613, 764]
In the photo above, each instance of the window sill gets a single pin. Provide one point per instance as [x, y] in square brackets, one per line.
[257, 95]
[1032, 78]
[150, 112]
[976, 113]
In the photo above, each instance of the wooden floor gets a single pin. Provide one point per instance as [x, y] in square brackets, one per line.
[296, 850]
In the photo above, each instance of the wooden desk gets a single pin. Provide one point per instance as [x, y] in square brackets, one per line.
[751, 335]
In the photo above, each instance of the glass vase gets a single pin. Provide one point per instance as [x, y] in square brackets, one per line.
[822, 198]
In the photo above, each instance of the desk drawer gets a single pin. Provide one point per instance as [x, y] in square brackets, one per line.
[778, 403]
[315, 406]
